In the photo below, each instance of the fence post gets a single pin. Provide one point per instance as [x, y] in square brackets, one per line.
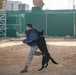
[46, 23]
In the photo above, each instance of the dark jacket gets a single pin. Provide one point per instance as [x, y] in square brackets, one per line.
[32, 37]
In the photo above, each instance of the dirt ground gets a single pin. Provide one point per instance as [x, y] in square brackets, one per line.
[13, 58]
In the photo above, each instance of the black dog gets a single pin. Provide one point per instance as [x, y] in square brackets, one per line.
[43, 48]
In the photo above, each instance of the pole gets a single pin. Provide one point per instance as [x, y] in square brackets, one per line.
[74, 24]
[20, 18]
[46, 23]
[5, 23]
[5, 17]
[74, 17]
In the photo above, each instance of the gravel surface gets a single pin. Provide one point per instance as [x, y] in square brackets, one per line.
[13, 56]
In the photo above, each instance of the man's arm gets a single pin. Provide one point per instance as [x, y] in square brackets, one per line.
[32, 37]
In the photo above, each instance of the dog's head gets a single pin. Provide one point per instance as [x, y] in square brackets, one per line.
[40, 33]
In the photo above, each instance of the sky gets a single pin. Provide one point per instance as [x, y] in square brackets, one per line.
[52, 4]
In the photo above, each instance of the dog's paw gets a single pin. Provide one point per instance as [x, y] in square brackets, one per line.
[56, 63]
[39, 69]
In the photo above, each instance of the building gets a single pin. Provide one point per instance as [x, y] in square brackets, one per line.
[12, 5]
[16, 5]
[23, 7]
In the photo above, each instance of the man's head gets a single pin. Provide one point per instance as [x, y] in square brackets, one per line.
[29, 27]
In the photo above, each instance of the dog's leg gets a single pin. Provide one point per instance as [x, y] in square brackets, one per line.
[53, 60]
[43, 63]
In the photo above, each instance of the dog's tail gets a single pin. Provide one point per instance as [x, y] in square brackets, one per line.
[53, 60]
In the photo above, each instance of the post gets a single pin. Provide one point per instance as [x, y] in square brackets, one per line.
[46, 24]
[5, 24]
[20, 18]
[74, 18]
[74, 24]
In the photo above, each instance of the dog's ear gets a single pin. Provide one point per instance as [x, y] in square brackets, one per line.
[42, 31]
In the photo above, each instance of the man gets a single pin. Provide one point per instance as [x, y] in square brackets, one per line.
[31, 40]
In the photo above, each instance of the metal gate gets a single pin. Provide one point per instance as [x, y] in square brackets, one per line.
[2, 23]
